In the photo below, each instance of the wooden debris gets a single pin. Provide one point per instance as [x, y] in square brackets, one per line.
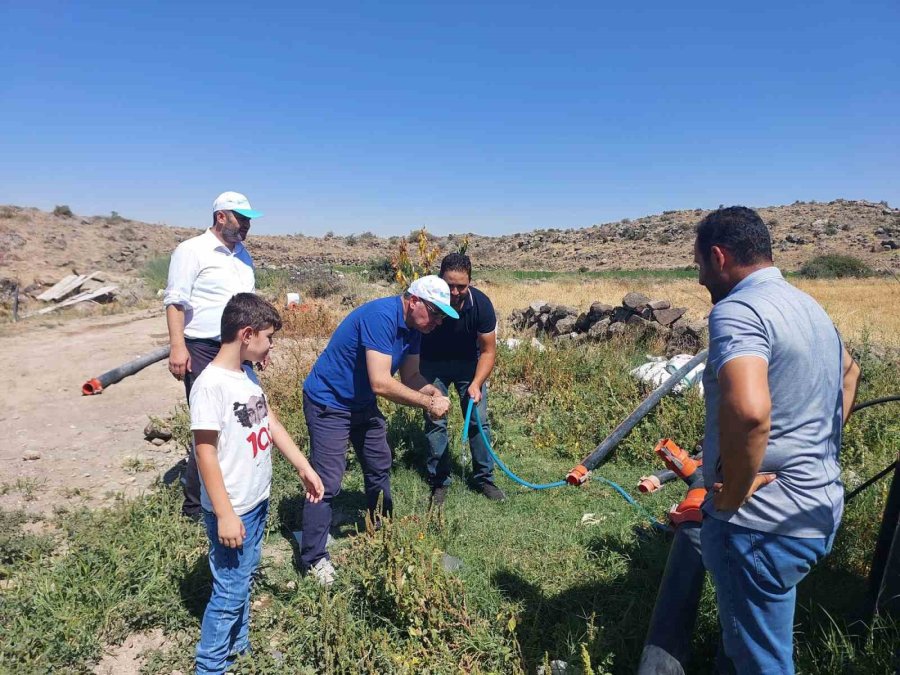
[75, 299]
[66, 286]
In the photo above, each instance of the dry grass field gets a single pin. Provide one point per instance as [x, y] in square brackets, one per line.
[863, 309]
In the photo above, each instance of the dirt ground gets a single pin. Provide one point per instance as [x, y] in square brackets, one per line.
[88, 448]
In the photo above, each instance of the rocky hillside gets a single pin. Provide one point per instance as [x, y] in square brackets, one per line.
[42, 246]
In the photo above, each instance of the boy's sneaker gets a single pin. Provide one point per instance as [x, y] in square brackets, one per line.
[492, 492]
[323, 572]
[438, 496]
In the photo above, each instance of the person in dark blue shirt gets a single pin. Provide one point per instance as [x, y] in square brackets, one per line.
[372, 343]
[461, 353]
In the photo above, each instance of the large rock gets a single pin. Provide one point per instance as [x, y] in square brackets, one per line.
[660, 304]
[539, 307]
[157, 429]
[600, 309]
[517, 319]
[635, 301]
[616, 329]
[621, 314]
[561, 312]
[565, 325]
[583, 322]
[667, 317]
[543, 322]
[599, 330]
[687, 337]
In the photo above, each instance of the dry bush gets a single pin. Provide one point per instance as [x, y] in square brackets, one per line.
[310, 320]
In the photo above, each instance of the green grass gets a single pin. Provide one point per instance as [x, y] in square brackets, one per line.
[505, 275]
[156, 272]
[535, 584]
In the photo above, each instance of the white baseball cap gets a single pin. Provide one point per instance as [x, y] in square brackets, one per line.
[235, 201]
[436, 291]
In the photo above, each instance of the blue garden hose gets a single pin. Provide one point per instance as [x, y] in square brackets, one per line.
[544, 486]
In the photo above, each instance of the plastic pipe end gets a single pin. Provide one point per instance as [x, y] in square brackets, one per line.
[91, 387]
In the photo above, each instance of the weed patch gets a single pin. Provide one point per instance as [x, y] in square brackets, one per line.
[156, 272]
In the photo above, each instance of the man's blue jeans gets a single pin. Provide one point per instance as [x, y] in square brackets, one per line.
[330, 430]
[443, 374]
[756, 575]
[224, 633]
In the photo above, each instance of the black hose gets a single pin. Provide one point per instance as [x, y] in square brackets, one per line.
[97, 384]
[621, 431]
[890, 467]
[875, 401]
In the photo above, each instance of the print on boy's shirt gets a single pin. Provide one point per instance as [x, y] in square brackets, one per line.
[252, 412]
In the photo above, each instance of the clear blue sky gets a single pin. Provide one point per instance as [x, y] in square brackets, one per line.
[487, 117]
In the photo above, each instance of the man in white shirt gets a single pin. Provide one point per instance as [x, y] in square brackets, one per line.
[204, 273]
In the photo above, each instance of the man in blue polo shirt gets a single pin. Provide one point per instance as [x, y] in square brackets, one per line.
[461, 354]
[372, 343]
[779, 387]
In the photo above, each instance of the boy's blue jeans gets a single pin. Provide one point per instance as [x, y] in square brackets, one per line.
[443, 374]
[756, 575]
[224, 633]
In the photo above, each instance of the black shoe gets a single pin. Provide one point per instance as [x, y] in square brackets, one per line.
[492, 492]
[438, 495]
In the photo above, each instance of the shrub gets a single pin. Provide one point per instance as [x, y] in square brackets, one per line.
[63, 210]
[835, 266]
[273, 281]
[114, 217]
[381, 270]
[156, 272]
[325, 287]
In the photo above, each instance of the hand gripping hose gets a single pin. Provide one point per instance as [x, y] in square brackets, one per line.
[544, 486]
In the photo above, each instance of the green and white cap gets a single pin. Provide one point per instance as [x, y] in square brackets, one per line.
[435, 290]
[235, 201]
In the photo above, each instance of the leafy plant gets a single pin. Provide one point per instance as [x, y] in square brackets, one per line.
[409, 268]
[835, 266]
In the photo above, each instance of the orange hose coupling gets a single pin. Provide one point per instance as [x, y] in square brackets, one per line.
[690, 508]
[649, 484]
[577, 476]
[676, 459]
[91, 387]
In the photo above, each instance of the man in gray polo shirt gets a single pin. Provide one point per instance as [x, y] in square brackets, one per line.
[779, 386]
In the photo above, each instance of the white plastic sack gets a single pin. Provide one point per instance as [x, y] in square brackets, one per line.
[658, 369]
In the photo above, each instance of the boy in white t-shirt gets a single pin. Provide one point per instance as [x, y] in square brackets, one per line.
[234, 432]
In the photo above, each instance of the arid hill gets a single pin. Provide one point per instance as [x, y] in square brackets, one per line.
[43, 246]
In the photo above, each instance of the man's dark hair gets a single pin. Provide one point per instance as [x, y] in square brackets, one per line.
[456, 262]
[738, 229]
[248, 309]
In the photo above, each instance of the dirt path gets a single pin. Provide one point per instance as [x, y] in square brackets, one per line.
[90, 447]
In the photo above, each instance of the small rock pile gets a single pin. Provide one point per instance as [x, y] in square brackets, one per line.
[638, 316]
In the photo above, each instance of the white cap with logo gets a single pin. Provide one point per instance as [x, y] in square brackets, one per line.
[435, 290]
[235, 201]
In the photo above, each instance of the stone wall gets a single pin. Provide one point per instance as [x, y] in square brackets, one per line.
[637, 316]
